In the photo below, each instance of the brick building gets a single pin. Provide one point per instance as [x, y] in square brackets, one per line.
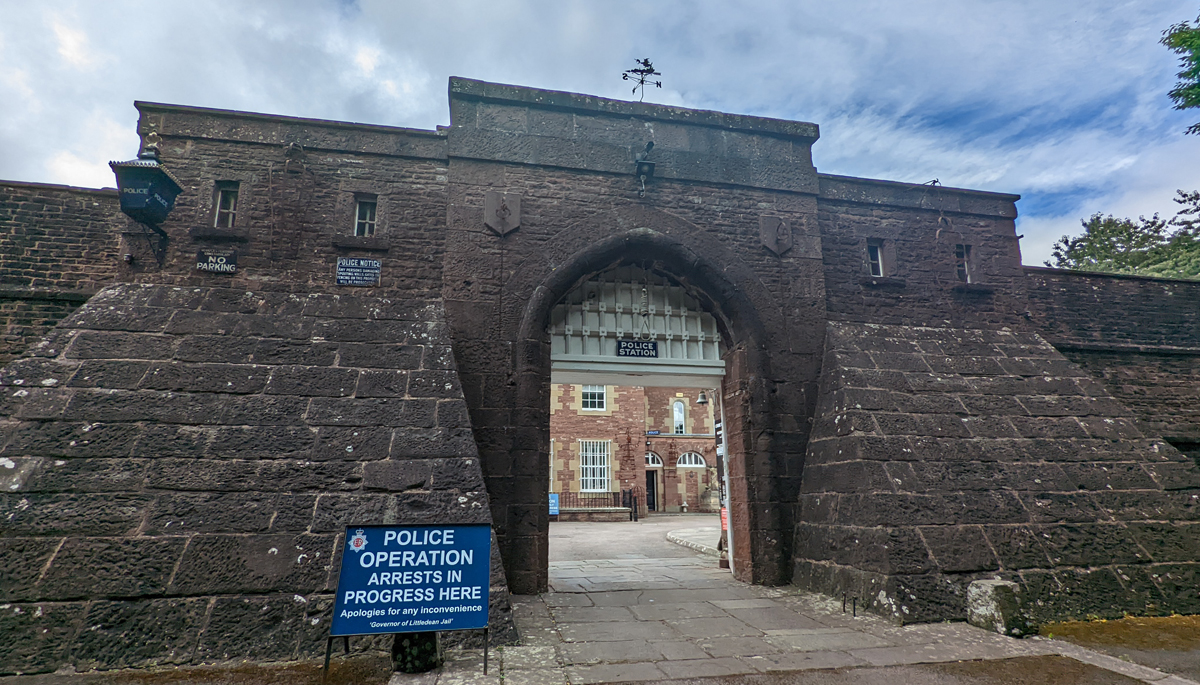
[905, 407]
[657, 442]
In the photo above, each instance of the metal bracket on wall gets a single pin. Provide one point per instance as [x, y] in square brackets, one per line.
[156, 241]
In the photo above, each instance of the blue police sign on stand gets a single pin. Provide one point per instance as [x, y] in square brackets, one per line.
[404, 579]
[554, 504]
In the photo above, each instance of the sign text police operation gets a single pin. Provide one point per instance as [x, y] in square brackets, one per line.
[402, 579]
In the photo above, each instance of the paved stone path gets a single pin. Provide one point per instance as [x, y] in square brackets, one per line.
[647, 618]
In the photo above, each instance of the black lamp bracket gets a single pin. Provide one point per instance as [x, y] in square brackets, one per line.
[644, 169]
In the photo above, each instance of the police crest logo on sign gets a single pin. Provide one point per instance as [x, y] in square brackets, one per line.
[359, 540]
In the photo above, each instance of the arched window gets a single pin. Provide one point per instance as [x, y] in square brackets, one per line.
[653, 460]
[690, 459]
[680, 420]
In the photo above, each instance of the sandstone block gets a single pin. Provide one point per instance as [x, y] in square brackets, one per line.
[996, 605]
[131, 634]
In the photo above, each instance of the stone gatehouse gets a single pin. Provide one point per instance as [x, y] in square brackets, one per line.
[906, 407]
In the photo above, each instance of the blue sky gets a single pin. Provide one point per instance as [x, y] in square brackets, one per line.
[1062, 102]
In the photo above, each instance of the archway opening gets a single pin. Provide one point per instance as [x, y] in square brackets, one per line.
[637, 369]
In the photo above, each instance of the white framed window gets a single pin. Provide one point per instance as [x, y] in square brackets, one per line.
[690, 459]
[875, 259]
[653, 461]
[679, 418]
[962, 263]
[225, 205]
[593, 398]
[364, 217]
[593, 465]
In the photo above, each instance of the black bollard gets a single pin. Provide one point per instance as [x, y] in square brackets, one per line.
[416, 652]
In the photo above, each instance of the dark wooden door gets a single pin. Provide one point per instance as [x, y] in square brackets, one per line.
[651, 490]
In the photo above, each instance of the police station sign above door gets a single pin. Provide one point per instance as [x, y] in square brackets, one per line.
[405, 579]
[637, 348]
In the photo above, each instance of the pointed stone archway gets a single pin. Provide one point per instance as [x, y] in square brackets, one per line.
[512, 422]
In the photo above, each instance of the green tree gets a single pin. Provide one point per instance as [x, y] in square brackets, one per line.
[1184, 39]
[1147, 247]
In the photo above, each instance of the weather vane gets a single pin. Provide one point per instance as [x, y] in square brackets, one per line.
[641, 75]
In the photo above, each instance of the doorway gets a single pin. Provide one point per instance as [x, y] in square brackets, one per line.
[651, 490]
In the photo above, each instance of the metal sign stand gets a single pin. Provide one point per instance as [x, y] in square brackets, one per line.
[329, 649]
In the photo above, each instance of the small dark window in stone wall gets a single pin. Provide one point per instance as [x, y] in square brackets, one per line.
[875, 258]
[364, 221]
[962, 263]
[225, 204]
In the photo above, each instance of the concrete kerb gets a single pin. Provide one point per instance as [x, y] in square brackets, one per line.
[693, 538]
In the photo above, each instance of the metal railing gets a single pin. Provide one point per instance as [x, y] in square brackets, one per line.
[589, 500]
[631, 499]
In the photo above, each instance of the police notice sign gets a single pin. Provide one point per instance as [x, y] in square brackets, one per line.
[403, 579]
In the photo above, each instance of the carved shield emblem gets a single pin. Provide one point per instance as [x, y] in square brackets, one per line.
[776, 234]
[502, 212]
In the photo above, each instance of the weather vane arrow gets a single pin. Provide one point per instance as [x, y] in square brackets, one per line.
[641, 76]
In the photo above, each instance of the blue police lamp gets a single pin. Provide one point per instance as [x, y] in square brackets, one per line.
[147, 190]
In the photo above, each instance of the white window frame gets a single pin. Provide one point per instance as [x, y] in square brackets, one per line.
[679, 417]
[225, 217]
[594, 395]
[364, 227]
[688, 460]
[653, 461]
[875, 259]
[594, 465]
[962, 263]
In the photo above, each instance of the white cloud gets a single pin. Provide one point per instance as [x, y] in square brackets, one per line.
[98, 141]
[1062, 102]
[73, 45]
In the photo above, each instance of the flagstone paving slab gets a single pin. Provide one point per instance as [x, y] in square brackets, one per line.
[701, 668]
[671, 611]
[592, 614]
[681, 649]
[738, 646]
[614, 673]
[820, 642]
[614, 632]
[796, 661]
[714, 627]
[588, 653]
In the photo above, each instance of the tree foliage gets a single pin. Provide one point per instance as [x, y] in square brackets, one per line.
[1146, 247]
[1184, 39]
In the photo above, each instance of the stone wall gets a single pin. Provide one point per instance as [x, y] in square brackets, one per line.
[940, 456]
[178, 466]
[298, 180]
[917, 228]
[1139, 336]
[58, 246]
